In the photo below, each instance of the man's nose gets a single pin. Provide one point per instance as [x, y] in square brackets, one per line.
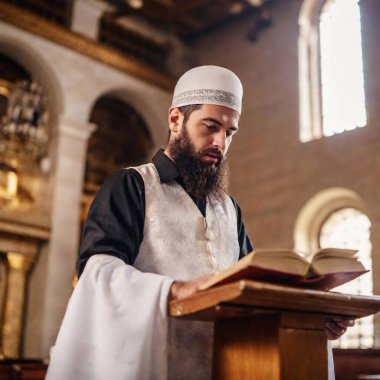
[220, 140]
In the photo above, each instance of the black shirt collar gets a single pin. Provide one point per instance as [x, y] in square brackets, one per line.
[166, 168]
[167, 171]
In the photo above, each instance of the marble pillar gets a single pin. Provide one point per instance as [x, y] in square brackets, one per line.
[65, 224]
[86, 17]
[18, 268]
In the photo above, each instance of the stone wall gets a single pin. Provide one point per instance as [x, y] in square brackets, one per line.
[273, 174]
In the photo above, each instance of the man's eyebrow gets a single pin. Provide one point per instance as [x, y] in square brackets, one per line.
[212, 120]
[215, 121]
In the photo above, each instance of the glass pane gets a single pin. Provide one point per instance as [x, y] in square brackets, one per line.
[342, 79]
[350, 228]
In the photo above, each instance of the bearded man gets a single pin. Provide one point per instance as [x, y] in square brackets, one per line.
[155, 233]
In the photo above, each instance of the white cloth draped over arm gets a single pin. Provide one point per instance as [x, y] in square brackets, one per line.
[115, 326]
[330, 362]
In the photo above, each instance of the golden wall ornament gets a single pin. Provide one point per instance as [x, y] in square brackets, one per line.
[24, 128]
[6, 87]
[19, 246]
[3, 292]
[23, 142]
[18, 267]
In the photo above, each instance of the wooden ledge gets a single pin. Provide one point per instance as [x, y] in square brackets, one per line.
[251, 297]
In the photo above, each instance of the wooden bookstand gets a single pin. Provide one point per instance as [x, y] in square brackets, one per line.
[270, 332]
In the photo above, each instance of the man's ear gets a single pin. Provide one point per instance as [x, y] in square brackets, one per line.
[175, 119]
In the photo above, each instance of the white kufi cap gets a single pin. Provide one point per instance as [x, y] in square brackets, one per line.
[209, 85]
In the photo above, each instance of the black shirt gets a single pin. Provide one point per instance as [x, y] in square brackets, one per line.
[115, 222]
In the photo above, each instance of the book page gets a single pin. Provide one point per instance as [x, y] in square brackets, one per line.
[281, 261]
[335, 252]
[333, 260]
[261, 264]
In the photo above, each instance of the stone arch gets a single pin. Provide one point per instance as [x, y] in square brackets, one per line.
[154, 118]
[39, 69]
[317, 209]
[122, 138]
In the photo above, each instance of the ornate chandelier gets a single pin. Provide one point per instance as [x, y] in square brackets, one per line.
[23, 136]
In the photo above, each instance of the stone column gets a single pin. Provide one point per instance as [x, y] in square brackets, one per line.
[86, 17]
[18, 267]
[20, 245]
[65, 225]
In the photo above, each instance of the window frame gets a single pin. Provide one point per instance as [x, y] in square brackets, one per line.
[314, 214]
[309, 71]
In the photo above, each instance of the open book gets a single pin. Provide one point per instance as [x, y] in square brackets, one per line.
[328, 268]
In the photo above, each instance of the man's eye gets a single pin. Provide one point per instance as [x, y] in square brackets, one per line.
[212, 127]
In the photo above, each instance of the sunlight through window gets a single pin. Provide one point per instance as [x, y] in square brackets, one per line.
[350, 228]
[342, 79]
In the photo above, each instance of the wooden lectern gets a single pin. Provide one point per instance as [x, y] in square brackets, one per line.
[270, 332]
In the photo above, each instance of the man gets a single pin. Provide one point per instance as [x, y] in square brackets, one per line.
[155, 233]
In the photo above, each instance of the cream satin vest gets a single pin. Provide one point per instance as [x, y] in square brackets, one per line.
[178, 241]
[182, 244]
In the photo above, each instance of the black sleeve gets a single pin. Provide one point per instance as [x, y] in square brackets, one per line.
[244, 240]
[115, 222]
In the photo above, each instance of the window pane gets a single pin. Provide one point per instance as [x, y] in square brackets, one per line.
[342, 80]
[350, 228]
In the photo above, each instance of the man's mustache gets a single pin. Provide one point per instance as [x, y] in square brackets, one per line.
[218, 153]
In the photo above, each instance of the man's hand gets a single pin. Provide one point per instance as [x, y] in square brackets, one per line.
[335, 328]
[180, 289]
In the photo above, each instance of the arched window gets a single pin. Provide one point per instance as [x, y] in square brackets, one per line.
[331, 80]
[336, 217]
[350, 228]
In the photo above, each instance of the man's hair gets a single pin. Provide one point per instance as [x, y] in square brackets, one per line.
[186, 111]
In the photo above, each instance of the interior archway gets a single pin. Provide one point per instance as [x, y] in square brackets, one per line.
[39, 70]
[122, 139]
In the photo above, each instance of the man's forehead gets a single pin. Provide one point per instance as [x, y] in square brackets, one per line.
[218, 114]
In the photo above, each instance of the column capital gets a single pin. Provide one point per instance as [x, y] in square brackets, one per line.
[86, 16]
[76, 129]
[19, 261]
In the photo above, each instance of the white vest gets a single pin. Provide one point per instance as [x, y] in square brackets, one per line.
[179, 242]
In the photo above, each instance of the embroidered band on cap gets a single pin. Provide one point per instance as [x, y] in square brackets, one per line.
[209, 85]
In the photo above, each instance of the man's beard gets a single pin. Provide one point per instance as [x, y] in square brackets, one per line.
[200, 179]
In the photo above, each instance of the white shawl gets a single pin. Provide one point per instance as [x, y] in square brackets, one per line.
[115, 326]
